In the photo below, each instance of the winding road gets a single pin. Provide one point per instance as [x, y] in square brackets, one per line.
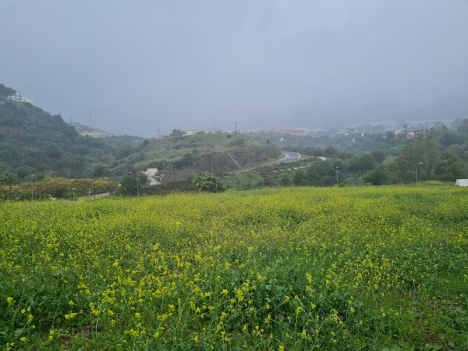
[289, 156]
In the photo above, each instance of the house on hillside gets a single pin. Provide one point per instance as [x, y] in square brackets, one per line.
[195, 131]
[151, 172]
[19, 98]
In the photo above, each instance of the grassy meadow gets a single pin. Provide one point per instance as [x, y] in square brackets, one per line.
[273, 269]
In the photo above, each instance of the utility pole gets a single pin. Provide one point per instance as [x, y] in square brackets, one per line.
[271, 142]
[214, 126]
[130, 131]
[212, 166]
[89, 114]
[420, 163]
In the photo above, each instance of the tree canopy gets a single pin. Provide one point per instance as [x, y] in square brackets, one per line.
[206, 182]
[5, 91]
[131, 184]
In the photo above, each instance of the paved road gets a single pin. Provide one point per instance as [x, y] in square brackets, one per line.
[289, 156]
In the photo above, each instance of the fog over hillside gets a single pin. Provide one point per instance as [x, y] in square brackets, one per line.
[141, 66]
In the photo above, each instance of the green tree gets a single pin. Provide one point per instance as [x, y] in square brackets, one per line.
[99, 171]
[330, 152]
[450, 167]
[379, 156]
[364, 162]
[8, 178]
[176, 132]
[4, 91]
[131, 184]
[321, 173]
[378, 176]
[206, 182]
[299, 178]
[185, 161]
[126, 150]
[424, 155]
[463, 126]
[285, 181]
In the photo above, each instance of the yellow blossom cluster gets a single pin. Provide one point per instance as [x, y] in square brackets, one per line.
[272, 269]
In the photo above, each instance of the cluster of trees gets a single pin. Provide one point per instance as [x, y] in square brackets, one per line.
[8, 179]
[57, 187]
[5, 91]
[131, 183]
[427, 159]
[207, 182]
[433, 156]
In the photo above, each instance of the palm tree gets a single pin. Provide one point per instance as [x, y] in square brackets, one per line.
[8, 178]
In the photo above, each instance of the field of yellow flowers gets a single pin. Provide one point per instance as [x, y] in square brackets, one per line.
[273, 269]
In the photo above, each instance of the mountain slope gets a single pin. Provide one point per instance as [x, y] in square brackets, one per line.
[33, 141]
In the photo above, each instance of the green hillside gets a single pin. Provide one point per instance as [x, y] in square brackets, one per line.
[183, 155]
[33, 141]
[118, 141]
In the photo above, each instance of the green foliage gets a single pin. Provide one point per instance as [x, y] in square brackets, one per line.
[33, 141]
[181, 156]
[464, 126]
[118, 141]
[176, 132]
[206, 182]
[271, 269]
[363, 162]
[319, 173]
[126, 150]
[99, 171]
[56, 187]
[8, 178]
[379, 156]
[423, 154]
[186, 161]
[450, 167]
[131, 184]
[377, 176]
[5, 92]
[285, 181]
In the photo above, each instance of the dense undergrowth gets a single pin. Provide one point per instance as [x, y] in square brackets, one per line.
[275, 269]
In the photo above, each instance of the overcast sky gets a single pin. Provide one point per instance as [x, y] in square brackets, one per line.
[150, 65]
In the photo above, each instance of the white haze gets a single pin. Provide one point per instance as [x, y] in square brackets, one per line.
[150, 65]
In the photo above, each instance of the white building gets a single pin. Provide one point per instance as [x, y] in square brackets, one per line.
[19, 98]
